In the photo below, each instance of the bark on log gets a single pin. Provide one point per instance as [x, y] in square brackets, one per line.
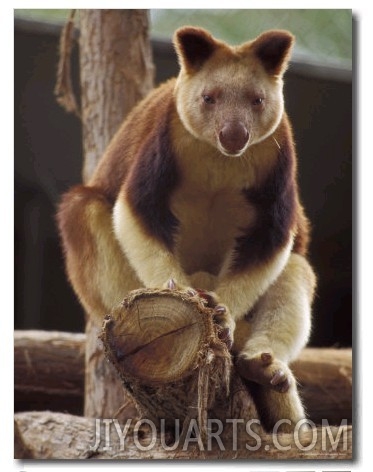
[49, 374]
[49, 435]
[116, 71]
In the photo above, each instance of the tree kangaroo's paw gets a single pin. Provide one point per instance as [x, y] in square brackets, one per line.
[222, 316]
[265, 370]
[226, 324]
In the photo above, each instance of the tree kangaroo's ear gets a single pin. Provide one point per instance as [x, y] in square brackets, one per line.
[193, 47]
[273, 49]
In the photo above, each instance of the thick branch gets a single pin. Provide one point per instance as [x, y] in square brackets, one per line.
[49, 370]
[49, 435]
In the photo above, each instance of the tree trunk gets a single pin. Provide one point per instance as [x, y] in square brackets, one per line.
[116, 71]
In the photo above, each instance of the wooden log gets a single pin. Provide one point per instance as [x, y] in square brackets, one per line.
[49, 374]
[49, 370]
[166, 348]
[47, 435]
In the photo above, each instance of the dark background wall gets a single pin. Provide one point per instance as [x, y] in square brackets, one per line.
[48, 159]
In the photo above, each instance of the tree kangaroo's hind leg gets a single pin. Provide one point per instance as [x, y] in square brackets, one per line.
[97, 267]
[277, 329]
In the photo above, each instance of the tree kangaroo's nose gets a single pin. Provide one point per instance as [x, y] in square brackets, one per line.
[233, 136]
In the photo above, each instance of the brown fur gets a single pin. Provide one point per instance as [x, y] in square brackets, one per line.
[121, 152]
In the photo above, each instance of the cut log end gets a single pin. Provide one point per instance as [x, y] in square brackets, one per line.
[160, 336]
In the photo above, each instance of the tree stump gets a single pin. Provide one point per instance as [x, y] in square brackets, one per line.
[166, 348]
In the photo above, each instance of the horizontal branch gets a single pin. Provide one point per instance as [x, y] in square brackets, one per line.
[49, 374]
[49, 371]
[47, 435]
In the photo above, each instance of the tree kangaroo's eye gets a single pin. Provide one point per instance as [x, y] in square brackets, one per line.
[208, 99]
[258, 101]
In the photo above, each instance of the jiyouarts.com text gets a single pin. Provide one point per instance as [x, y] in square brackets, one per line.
[230, 434]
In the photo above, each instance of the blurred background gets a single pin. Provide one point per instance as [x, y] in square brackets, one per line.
[48, 152]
